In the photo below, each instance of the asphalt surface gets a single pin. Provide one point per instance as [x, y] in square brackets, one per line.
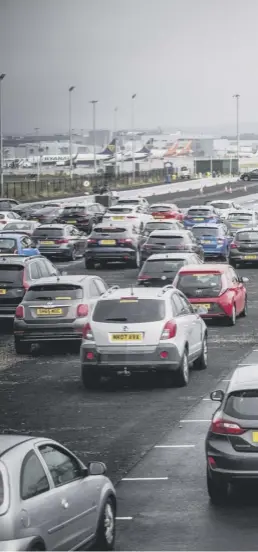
[42, 394]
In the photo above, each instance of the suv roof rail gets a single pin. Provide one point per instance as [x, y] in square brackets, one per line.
[109, 290]
[165, 289]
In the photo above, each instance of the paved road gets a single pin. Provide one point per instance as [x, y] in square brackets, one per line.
[122, 426]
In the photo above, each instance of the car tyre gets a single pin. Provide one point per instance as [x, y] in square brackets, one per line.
[201, 363]
[244, 312]
[181, 376]
[105, 536]
[232, 318]
[246, 178]
[73, 255]
[217, 489]
[136, 262]
[22, 347]
[89, 263]
[90, 377]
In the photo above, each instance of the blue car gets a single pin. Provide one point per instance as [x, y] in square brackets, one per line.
[201, 214]
[15, 243]
[214, 240]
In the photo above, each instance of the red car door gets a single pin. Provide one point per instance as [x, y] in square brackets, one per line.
[239, 291]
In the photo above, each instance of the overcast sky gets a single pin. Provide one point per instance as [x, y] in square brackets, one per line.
[183, 58]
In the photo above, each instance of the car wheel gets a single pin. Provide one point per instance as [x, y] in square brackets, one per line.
[73, 256]
[105, 536]
[232, 318]
[21, 347]
[246, 178]
[201, 363]
[217, 489]
[181, 378]
[244, 312]
[89, 263]
[136, 262]
[90, 377]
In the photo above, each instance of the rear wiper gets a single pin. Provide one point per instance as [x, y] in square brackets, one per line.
[116, 319]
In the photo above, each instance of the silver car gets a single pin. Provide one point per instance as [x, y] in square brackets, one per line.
[49, 500]
[142, 330]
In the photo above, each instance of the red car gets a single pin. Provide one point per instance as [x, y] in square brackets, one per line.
[215, 290]
[166, 211]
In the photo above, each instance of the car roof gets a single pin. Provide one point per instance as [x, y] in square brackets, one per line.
[132, 292]
[171, 233]
[247, 229]
[241, 212]
[244, 377]
[207, 267]
[68, 279]
[8, 441]
[16, 259]
[226, 201]
[170, 256]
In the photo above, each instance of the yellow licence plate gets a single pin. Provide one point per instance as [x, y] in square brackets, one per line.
[71, 221]
[2, 291]
[250, 257]
[49, 312]
[255, 436]
[108, 242]
[239, 225]
[205, 305]
[47, 242]
[206, 241]
[199, 218]
[126, 337]
[118, 218]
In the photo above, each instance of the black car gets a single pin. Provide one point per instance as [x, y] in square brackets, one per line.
[161, 269]
[60, 240]
[232, 440]
[47, 215]
[244, 247]
[83, 216]
[250, 175]
[17, 273]
[26, 211]
[163, 241]
[109, 243]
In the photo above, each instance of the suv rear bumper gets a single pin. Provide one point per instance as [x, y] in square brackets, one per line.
[111, 254]
[35, 333]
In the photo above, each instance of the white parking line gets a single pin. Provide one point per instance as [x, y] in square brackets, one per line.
[225, 380]
[145, 479]
[206, 399]
[192, 421]
[174, 446]
[124, 518]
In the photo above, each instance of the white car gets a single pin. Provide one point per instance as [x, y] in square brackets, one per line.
[136, 214]
[8, 216]
[141, 201]
[224, 206]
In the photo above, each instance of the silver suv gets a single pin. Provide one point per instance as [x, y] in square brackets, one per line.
[142, 330]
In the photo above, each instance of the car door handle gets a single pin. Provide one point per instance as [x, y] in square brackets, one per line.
[64, 503]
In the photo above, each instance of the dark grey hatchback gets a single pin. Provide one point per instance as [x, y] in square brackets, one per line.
[60, 241]
[109, 243]
[232, 439]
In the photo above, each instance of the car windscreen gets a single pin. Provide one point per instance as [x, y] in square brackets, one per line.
[74, 210]
[130, 201]
[150, 226]
[18, 226]
[129, 310]
[48, 232]
[54, 292]
[157, 266]
[200, 284]
[160, 208]
[119, 210]
[251, 236]
[166, 240]
[243, 404]
[202, 231]
[108, 230]
[240, 216]
[7, 244]
[11, 274]
[199, 212]
[218, 205]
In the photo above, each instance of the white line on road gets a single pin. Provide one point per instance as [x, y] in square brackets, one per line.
[192, 421]
[174, 446]
[144, 478]
[225, 380]
[124, 518]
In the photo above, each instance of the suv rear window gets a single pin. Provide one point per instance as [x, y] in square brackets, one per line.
[103, 230]
[129, 311]
[202, 231]
[11, 274]
[219, 205]
[129, 201]
[74, 210]
[240, 216]
[247, 236]
[166, 240]
[200, 284]
[57, 292]
[199, 212]
[163, 266]
[150, 226]
[160, 208]
[118, 210]
[243, 405]
[48, 232]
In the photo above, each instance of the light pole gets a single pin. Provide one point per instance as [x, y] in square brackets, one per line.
[94, 102]
[237, 96]
[38, 156]
[115, 129]
[2, 76]
[133, 152]
[70, 130]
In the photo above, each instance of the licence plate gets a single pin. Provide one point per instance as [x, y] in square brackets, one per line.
[71, 221]
[122, 337]
[198, 218]
[206, 241]
[237, 225]
[250, 257]
[108, 242]
[47, 242]
[201, 307]
[49, 312]
[118, 218]
[255, 436]
[2, 291]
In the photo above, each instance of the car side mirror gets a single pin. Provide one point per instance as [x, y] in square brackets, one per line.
[243, 280]
[217, 395]
[97, 468]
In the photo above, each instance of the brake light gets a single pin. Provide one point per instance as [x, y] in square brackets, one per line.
[91, 241]
[233, 246]
[169, 330]
[147, 246]
[223, 427]
[87, 332]
[127, 240]
[19, 313]
[131, 217]
[61, 241]
[24, 283]
[144, 277]
[82, 310]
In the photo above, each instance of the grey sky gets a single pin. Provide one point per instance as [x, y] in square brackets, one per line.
[183, 58]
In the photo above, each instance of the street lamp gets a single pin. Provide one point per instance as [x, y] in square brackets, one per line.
[133, 145]
[38, 156]
[70, 130]
[94, 102]
[237, 96]
[115, 130]
[2, 76]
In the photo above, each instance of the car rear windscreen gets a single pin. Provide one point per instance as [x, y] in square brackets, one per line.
[240, 216]
[150, 226]
[11, 274]
[129, 310]
[74, 210]
[247, 236]
[48, 232]
[243, 405]
[162, 266]
[7, 244]
[199, 213]
[57, 292]
[219, 205]
[119, 210]
[129, 201]
[160, 208]
[166, 240]
[200, 284]
[103, 230]
[202, 231]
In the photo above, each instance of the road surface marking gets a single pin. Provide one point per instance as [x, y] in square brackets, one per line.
[192, 421]
[174, 446]
[124, 518]
[144, 478]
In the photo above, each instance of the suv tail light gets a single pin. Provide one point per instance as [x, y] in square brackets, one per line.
[82, 310]
[144, 277]
[223, 427]
[19, 313]
[147, 246]
[127, 240]
[233, 245]
[87, 333]
[61, 241]
[131, 217]
[24, 283]
[169, 330]
[91, 241]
